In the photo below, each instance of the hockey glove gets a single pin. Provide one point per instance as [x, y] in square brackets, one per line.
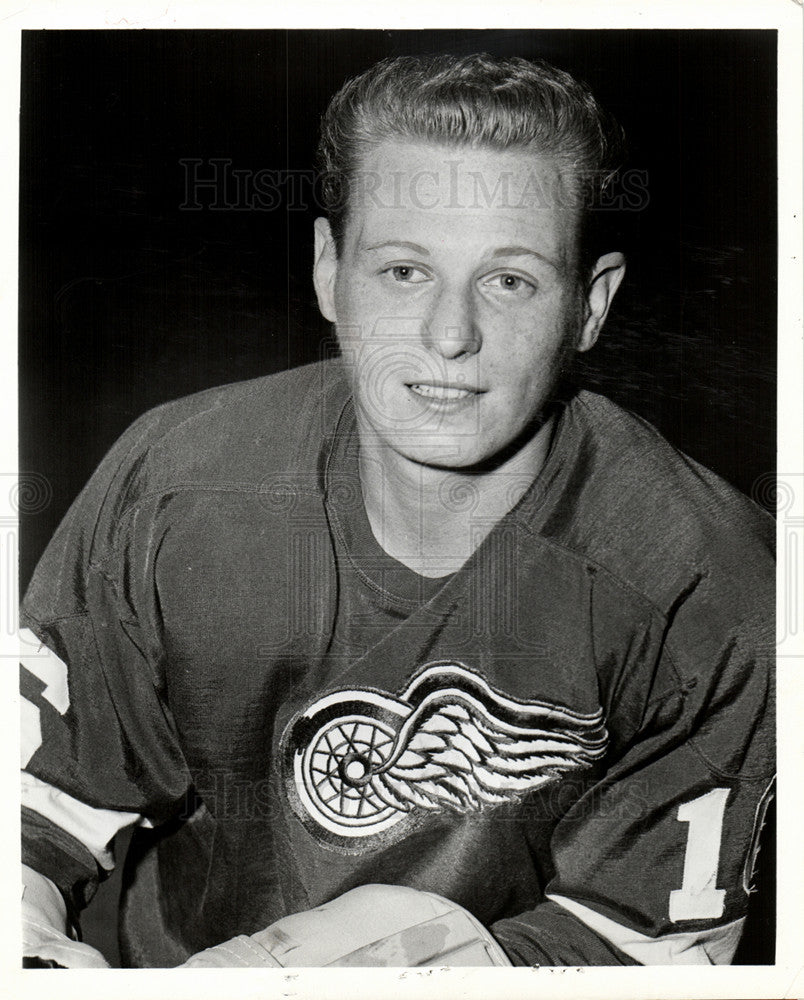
[44, 923]
[373, 925]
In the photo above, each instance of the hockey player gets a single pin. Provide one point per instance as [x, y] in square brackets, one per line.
[410, 657]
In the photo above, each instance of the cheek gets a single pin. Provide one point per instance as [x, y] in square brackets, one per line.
[352, 291]
[343, 302]
[529, 345]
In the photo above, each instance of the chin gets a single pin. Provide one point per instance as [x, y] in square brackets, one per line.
[452, 455]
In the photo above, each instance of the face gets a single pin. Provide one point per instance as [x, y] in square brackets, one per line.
[455, 299]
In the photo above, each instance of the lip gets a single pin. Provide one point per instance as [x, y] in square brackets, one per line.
[445, 385]
[444, 395]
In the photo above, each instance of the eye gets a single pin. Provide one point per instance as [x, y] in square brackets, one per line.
[514, 284]
[407, 274]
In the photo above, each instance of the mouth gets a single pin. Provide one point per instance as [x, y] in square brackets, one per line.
[442, 393]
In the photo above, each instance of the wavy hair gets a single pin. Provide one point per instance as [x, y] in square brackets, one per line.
[476, 101]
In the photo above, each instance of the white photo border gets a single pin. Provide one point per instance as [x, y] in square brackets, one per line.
[786, 977]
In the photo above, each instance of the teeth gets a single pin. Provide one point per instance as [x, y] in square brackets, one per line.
[440, 391]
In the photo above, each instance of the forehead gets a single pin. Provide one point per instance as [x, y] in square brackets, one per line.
[461, 193]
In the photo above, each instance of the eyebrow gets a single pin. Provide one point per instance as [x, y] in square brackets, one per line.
[404, 244]
[517, 251]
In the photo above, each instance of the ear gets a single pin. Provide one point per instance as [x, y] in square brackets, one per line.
[325, 269]
[608, 272]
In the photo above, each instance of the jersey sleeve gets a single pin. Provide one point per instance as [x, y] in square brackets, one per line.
[653, 864]
[99, 748]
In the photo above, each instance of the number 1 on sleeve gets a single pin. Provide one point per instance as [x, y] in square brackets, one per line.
[698, 898]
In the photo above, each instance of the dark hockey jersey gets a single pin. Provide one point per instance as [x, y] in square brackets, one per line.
[571, 736]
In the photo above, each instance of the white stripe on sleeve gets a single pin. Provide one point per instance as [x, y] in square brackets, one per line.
[49, 668]
[714, 946]
[94, 828]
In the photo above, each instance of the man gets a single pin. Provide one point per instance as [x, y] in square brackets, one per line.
[414, 657]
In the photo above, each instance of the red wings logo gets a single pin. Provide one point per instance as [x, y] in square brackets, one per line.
[357, 762]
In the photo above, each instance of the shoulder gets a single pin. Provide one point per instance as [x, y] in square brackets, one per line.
[651, 515]
[237, 437]
[226, 425]
[682, 572]
[233, 434]
[233, 439]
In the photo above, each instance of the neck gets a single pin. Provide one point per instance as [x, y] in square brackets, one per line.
[432, 519]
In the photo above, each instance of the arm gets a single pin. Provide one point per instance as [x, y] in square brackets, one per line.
[654, 864]
[98, 750]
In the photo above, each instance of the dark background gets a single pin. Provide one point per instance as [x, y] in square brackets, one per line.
[128, 300]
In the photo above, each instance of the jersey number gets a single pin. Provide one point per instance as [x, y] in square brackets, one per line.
[698, 899]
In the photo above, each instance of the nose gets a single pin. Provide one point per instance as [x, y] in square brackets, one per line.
[451, 329]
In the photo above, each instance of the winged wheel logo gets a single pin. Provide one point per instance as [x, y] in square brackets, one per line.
[360, 761]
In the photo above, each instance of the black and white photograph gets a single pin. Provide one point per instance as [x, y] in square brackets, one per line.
[399, 501]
